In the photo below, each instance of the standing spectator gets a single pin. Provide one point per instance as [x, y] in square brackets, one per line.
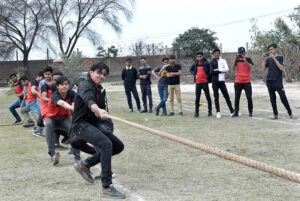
[129, 77]
[161, 75]
[218, 69]
[243, 66]
[275, 65]
[173, 74]
[144, 74]
[200, 70]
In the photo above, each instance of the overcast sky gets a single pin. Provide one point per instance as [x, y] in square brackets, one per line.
[162, 21]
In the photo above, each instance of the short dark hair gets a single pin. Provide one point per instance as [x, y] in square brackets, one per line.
[216, 50]
[199, 53]
[14, 74]
[273, 45]
[129, 60]
[172, 56]
[61, 80]
[48, 69]
[99, 67]
[41, 73]
[58, 73]
[143, 58]
[23, 77]
[165, 58]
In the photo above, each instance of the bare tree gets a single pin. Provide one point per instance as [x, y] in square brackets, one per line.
[21, 24]
[72, 19]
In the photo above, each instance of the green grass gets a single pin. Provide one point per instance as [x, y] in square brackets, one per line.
[155, 168]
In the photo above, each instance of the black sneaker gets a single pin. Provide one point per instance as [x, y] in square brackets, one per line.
[156, 111]
[180, 114]
[164, 114]
[171, 114]
[250, 114]
[235, 114]
[209, 114]
[150, 111]
[28, 124]
[144, 111]
[61, 148]
[55, 158]
[275, 117]
[196, 115]
[84, 171]
[17, 121]
[112, 192]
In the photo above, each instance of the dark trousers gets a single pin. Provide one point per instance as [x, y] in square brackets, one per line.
[274, 86]
[222, 86]
[105, 142]
[238, 87]
[146, 91]
[205, 88]
[128, 91]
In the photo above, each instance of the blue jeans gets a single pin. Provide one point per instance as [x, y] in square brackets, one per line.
[12, 108]
[163, 93]
[35, 107]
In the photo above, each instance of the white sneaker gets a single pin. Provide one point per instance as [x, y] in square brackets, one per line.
[218, 115]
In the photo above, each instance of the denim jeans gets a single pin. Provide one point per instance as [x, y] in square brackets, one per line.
[35, 107]
[107, 144]
[12, 108]
[163, 94]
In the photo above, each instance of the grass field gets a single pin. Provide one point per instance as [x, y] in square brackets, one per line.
[155, 169]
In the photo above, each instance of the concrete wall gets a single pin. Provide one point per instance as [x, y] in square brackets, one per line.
[116, 65]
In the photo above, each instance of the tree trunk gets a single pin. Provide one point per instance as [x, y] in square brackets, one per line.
[288, 75]
[25, 69]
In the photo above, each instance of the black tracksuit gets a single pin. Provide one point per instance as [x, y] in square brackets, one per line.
[274, 83]
[129, 77]
[89, 127]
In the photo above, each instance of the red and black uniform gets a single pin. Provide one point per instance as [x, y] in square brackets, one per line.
[30, 96]
[243, 82]
[44, 105]
[18, 88]
[200, 70]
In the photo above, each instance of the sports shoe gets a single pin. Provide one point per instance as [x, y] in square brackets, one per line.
[275, 117]
[150, 111]
[17, 121]
[171, 114]
[55, 158]
[250, 114]
[156, 111]
[180, 114]
[61, 148]
[84, 171]
[130, 110]
[235, 114]
[164, 114]
[196, 115]
[29, 124]
[219, 115]
[209, 114]
[38, 133]
[112, 192]
[292, 117]
[144, 111]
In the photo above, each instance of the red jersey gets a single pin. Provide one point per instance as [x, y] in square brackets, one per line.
[243, 71]
[201, 76]
[18, 88]
[56, 111]
[44, 105]
[30, 96]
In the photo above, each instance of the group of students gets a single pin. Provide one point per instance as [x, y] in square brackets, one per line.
[205, 72]
[80, 117]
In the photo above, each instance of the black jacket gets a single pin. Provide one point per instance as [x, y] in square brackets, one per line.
[193, 69]
[129, 76]
[88, 94]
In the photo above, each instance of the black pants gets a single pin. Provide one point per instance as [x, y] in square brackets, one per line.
[274, 86]
[146, 91]
[105, 142]
[221, 85]
[205, 88]
[128, 91]
[238, 87]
